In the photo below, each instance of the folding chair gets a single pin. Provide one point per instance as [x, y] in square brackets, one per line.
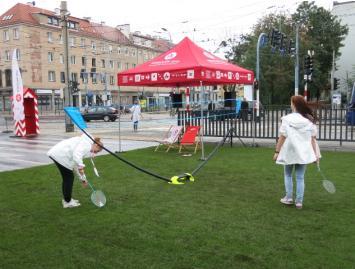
[189, 137]
[171, 137]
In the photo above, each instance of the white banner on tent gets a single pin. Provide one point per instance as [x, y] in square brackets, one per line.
[17, 86]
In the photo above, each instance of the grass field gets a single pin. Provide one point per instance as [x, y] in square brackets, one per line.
[230, 217]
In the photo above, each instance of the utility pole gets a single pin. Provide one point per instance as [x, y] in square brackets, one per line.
[69, 126]
[297, 61]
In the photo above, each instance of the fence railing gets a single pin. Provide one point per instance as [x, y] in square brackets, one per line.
[333, 124]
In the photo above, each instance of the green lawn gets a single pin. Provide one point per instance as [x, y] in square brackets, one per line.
[230, 217]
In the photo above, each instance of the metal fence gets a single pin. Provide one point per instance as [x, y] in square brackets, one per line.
[333, 124]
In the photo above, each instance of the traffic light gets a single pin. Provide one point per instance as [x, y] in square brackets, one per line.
[308, 68]
[283, 41]
[74, 86]
[256, 85]
[291, 47]
[336, 83]
[275, 38]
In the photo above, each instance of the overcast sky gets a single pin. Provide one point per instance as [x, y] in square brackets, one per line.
[207, 22]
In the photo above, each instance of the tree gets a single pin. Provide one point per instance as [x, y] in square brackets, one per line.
[319, 31]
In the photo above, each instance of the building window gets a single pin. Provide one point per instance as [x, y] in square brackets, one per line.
[51, 76]
[133, 65]
[53, 21]
[111, 64]
[61, 58]
[71, 25]
[103, 63]
[74, 76]
[94, 78]
[0, 78]
[18, 54]
[72, 41]
[119, 66]
[6, 36]
[118, 50]
[93, 45]
[93, 62]
[60, 39]
[103, 78]
[126, 51]
[8, 78]
[72, 59]
[126, 66]
[50, 56]
[110, 49]
[133, 53]
[16, 33]
[82, 42]
[50, 37]
[112, 80]
[62, 77]
[7, 55]
[83, 61]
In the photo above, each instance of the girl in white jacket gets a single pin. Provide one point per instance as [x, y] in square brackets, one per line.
[296, 147]
[68, 155]
[136, 115]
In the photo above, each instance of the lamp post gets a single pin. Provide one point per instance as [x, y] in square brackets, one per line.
[166, 30]
[69, 126]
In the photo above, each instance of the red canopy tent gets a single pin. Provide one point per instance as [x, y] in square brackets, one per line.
[186, 64]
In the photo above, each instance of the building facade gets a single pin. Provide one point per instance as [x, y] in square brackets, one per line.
[345, 65]
[97, 52]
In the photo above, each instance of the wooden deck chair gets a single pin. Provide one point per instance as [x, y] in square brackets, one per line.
[171, 137]
[189, 137]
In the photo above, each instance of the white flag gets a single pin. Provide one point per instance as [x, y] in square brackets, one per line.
[17, 86]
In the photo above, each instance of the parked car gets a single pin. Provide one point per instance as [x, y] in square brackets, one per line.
[123, 108]
[105, 113]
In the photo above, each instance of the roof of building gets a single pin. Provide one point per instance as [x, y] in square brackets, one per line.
[24, 13]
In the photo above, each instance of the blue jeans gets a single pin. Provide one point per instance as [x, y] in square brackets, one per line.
[300, 171]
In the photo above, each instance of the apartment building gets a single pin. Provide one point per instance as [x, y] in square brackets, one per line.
[97, 52]
[345, 64]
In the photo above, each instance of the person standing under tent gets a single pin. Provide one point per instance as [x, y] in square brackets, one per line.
[296, 147]
[244, 109]
[67, 156]
[136, 115]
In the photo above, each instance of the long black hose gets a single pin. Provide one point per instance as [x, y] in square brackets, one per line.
[212, 152]
[127, 162]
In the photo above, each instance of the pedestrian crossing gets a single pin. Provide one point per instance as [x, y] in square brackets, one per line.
[18, 153]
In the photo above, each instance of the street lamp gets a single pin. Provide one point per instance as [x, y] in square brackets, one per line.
[166, 30]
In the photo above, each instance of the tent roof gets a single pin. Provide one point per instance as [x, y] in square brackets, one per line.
[186, 64]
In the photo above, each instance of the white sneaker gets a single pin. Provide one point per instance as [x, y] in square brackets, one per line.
[286, 201]
[76, 201]
[70, 204]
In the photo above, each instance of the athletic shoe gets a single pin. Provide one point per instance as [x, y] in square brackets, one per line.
[76, 201]
[70, 204]
[286, 201]
[299, 205]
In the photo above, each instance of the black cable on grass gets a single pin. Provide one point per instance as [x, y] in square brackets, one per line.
[220, 143]
[127, 162]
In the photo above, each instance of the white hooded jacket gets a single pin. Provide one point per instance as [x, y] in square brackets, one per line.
[297, 148]
[70, 152]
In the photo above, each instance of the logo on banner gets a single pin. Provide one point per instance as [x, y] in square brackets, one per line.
[137, 78]
[218, 74]
[18, 97]
[154, 76]
[237, 75]
[166, 75]
[190, 73]
[230, 75]
[249, 77]
[208, 55]
[170, 56]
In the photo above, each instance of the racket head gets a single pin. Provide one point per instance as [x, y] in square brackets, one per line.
[98, 198]
[328, 186]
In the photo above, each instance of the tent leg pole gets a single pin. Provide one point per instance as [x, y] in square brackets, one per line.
[202, 91]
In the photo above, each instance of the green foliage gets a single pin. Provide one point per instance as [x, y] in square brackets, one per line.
[320, 31]
[230, 217]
